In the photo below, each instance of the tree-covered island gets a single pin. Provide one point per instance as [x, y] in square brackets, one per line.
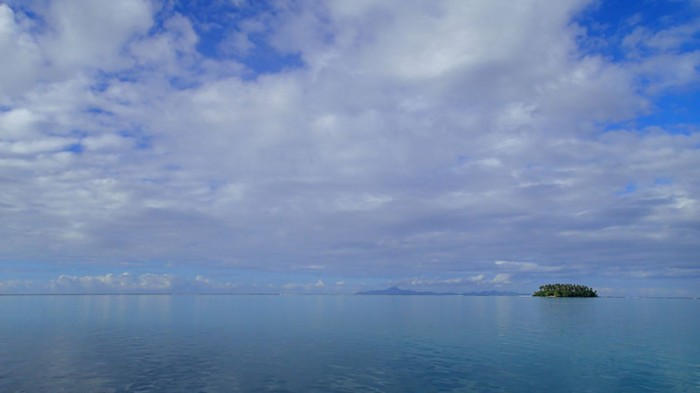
[565, 290]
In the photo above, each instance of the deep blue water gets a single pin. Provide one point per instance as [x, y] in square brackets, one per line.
[347, 344]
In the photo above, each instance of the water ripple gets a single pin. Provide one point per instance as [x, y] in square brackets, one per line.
[347, 344]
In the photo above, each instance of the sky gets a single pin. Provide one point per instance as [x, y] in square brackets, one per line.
[336, 146]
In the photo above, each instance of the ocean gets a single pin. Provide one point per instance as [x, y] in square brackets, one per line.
[236, 343]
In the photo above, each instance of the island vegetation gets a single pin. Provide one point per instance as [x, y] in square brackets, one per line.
[565, 290]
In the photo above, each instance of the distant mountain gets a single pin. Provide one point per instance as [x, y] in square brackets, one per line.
[400, 292]
[396, 291]
[493, 293]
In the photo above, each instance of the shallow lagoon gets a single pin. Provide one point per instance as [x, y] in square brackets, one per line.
[143, 343]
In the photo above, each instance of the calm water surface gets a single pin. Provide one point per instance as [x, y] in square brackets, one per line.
[347, 344]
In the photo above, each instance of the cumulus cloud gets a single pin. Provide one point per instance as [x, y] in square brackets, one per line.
[372, 139]
[453, 281]
[527, 266]
[92, 35]
[310, 287]
[501, 278]
[122, 283]
[113, 282]
[20, 68]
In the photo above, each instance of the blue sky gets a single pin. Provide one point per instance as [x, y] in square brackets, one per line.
[330, 147]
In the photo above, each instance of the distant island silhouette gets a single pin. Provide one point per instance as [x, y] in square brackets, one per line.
[396, 291]
[565, 290]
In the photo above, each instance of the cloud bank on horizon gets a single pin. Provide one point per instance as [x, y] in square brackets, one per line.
[314, 146]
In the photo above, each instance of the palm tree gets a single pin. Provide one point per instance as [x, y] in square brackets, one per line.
[565, 290]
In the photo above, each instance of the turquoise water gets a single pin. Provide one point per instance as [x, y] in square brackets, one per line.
[347, 344]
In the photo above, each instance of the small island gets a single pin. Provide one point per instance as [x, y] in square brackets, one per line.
[565, 290]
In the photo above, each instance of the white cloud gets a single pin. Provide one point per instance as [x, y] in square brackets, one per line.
[93, 34]
[417, 139]
[19, 54]
[124, 282]
[527, 266]
[295, 287]
[121, 283]
[671, 64]
[453, 281]
[165, 51]
[501, 278]
[361, 202]
[46, 145]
